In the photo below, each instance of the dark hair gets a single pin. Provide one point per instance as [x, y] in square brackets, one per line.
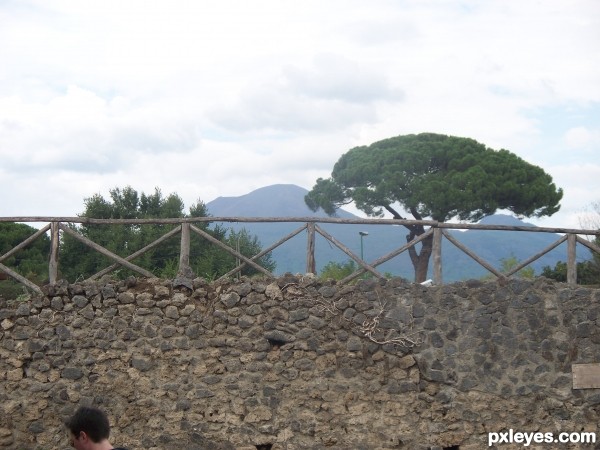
[91, 420]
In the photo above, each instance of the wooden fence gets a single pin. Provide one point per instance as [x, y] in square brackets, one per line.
[310, 225]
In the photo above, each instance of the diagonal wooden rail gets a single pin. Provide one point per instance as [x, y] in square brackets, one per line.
[57, 225]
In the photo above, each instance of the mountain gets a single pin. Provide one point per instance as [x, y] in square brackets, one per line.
[503, 219]
[278, 200]
[287, 200]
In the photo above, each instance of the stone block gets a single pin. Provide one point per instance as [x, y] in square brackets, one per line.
[72, 373]
[172, 312]
[141, 364]
[274, 292]
[298, 315]
[230, 299]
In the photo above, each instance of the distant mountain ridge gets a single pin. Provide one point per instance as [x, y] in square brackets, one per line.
[504, 219]
[287, 200]
[277, 200]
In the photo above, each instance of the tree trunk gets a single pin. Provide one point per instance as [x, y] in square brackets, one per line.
[422, 260]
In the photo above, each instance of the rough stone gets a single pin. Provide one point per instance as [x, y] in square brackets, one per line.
[72, 373]
[230, 299]
[244, 364]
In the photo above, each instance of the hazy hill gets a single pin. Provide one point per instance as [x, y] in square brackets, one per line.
[278, 200]
[286, 200]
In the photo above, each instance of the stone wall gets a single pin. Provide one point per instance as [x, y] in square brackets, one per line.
[298, 364]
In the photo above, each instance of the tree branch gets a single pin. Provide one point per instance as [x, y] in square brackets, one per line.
[393, 212]
[415, 213]
[397, 216]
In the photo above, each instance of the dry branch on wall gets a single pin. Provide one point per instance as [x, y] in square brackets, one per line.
[370, 327]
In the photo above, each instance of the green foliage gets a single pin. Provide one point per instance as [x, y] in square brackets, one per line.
[30, 262]
[248, 246]
[588, 272]
[436, 176]
[507, 264]
[512, 262]
[78, 261]
[337, 271]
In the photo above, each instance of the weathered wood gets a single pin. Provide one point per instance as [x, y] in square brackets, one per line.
[54, 246]
[347, 251]
[24, 281]
[593, 247]
[309, 222]
[479, 260]
[140, 252]
[389, 256]
[586, 376]
[192, 220]
[531, 229]
[264, 252]
[437, 256]
[185, 271]
[21, 279]
[228, 249]
[571, 259]
[375, 221]
[311, 265]
[106, 252]
[25, 243]
[536, 256]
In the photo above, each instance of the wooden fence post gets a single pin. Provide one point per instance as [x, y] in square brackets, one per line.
[54, 244]
[310, 250]
[185, 271]
[571, 259]
[437, 256]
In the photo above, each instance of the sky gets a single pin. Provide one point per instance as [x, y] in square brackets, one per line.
[218, 98]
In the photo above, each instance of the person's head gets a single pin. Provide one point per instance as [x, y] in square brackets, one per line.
[88, 426]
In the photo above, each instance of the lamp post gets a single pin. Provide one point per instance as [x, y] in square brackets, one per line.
[237, 260]
[362, 234]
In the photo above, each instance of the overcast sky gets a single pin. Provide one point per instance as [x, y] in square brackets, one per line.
[218, 98]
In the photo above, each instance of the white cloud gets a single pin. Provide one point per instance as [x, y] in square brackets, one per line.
[268, 109]
[337, 78]
[80, 131]
[218, 98]
[581, 183]
[582, 138]
[333, 94]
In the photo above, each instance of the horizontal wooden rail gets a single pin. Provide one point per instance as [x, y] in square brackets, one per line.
[177, 221]
[56, 225]
[180, 220]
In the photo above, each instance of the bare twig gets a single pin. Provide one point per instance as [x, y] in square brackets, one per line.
[370, 327]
